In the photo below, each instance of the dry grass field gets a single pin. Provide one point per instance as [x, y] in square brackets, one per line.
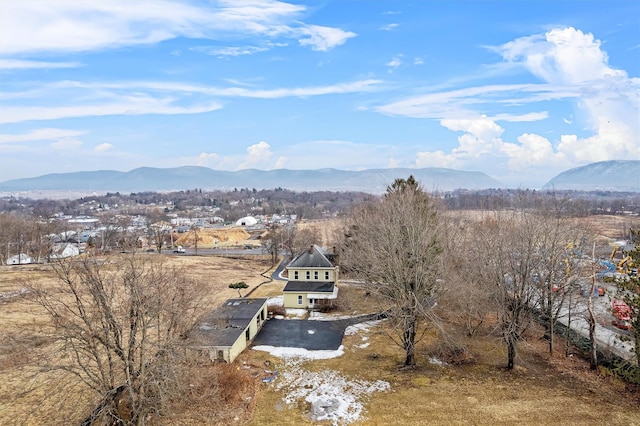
[31, 396]
[542, 390]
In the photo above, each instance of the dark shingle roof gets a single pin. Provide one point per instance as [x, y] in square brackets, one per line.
[313, 257]
[310, 286]
[223, 326]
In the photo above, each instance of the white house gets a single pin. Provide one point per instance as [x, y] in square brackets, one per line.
[61, 251]
[19, 259]
[312, 279]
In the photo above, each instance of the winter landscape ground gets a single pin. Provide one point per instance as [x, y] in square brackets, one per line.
[360, 383]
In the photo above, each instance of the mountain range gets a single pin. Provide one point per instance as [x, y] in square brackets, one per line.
[607, 175]
[190, 177]
[619, 175]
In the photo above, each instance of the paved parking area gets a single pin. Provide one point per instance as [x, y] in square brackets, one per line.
[311, 335]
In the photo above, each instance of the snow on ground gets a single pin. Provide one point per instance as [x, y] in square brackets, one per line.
[275, 300]
[296, 313]
[322, 316]
[363, 326]
[332, 396]
[299, 353]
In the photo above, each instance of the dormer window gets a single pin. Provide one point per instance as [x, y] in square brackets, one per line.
[308, 275]
[315, 275]
[295, 275]
[326, 275]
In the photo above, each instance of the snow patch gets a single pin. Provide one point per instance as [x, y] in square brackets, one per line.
[293, 312]
[332, 396]
[299, 353]
[276, 301]
[436, 361]
[363, 326]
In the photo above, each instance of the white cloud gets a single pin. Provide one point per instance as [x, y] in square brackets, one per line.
[41, 135]
[418, 61]
[65, 144]
[323, 38]
[436, 159]
[145, 97]
[133, 105]
[389, 27]
[461, 103]
[257, 154]
[103, 147]
[230, 51]
[395, 62]
[65, 26]
[206, 159]
[15, 64]
[281, 162]
[572, 67]
[561, 56]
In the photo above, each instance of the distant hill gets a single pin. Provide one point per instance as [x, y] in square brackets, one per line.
[189, 177]
[623, 176]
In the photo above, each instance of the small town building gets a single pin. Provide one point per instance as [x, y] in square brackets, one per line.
[61, 251]
[312, 277]
[228, 330]
[19, 259]
[247, 221]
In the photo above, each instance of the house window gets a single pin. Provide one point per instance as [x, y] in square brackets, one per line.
[315, 275]
[220, 355]
[295, 275]
[326, 275]
[308, 275]
[300, 299]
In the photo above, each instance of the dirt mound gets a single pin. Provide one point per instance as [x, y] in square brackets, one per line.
[212, 237]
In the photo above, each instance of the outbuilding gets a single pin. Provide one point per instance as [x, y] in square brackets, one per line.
[228, 330]
[19, 259]
[247, 221]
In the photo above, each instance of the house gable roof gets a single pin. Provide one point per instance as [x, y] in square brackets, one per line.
[313, 257]
[309, 286]
[223, 326]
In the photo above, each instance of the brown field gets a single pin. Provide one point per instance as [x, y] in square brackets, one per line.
[542, 389]
[30, 396]
[209, 238]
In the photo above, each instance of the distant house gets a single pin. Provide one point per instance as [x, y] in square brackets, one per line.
[19, 259]
[312, 279]
[228, 330]
[61, 251]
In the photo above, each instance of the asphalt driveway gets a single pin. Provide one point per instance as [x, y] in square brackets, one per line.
[310, 335]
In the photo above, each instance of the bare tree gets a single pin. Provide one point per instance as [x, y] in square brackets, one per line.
[505, 252]
[393, 245]
[467, 295]
[272, 242]
[158, 228]
[556, 268]
[629, 289]
[305, 238]
[119, 323]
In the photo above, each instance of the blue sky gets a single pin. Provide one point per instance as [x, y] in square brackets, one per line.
[520, 90]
